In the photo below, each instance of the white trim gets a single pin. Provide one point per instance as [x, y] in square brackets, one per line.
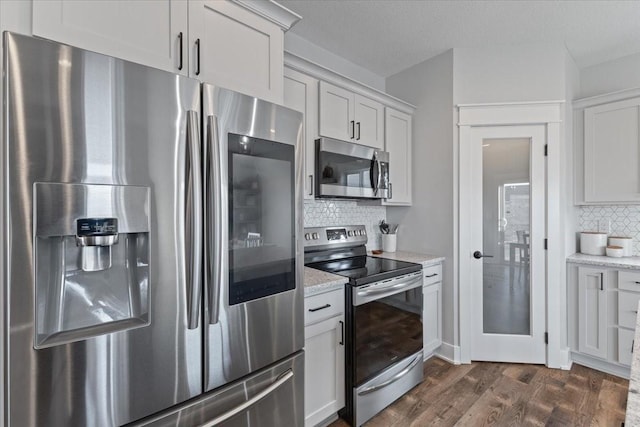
[510, 114]
[272, 11]
[605, 98]
[601, 365]
[448, 352]
[320, 72]
[565, 355]
[548, 114]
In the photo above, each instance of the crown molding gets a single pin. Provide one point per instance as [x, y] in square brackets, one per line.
[606, 98]
[320, 72]
[274, 12]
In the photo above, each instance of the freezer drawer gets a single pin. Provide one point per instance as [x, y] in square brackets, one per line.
[272, 397]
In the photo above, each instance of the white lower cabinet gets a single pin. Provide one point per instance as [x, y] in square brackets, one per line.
[324, 356]
[603, 308]
[432, 309]
[592, 311]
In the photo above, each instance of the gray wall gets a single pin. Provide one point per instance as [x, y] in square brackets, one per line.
[428, 225]
[611, 76]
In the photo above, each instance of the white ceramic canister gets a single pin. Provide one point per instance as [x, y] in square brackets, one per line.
[593, 243]
[625, 242]
[389, 242]
[615, 251]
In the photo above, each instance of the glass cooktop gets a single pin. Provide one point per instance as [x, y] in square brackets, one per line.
[366, 269]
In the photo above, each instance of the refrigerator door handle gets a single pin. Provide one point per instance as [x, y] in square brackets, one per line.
[193, 220]
[214, 220]
[283, 378]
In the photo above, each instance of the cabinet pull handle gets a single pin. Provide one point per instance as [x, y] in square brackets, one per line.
[197, 57]
[632, 343]
[637, 283]
[311, 185]
[342, 334]
[320, 308]
[431, 275]
[180, 54]
[358, 124]
[353, 129]
[602, 281]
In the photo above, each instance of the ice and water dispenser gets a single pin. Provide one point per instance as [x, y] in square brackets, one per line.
[91, 260]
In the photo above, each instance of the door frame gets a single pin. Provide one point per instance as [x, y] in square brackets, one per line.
[549, 115]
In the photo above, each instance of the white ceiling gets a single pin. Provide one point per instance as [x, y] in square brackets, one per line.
[387, 36]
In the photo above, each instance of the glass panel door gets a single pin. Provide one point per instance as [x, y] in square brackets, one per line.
[506, 230]
[261, 218]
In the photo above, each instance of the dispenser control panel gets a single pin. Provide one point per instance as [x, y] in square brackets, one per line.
[97, 227]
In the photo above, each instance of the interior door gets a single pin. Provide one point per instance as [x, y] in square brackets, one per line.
[507, 232]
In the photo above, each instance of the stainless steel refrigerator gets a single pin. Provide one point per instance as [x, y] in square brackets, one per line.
[151, 265]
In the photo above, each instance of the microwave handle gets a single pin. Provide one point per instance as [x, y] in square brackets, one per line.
[375, 173]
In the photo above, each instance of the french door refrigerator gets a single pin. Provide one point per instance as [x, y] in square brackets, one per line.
[150, 262]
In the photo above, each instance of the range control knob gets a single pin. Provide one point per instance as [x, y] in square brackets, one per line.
[363, 232]
[315, 236]
[307, 236]
[349, 233]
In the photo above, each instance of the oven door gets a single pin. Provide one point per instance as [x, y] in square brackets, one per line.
[387, 324]
[344, 169]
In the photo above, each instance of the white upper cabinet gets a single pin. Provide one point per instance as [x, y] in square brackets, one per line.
[301, 94]
[612, 152]
[234, 48]
[151, 32]
[398, 144]
[350, 117]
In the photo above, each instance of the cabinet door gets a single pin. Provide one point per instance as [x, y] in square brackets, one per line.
[234, 48]
[336, 112]
[431, 318]
[324, 385]
[592, 316]
[612, 152]
[301, 94]
[625, 346]
[142, 31]
[397, 138]
[369, 117]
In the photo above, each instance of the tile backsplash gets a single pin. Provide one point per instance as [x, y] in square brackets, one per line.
[615, 220]
[318, 213]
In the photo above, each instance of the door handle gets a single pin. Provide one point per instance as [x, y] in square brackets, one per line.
[213, 209]
[478, 255]
[197, 57]
[180, 55]
[193, 220]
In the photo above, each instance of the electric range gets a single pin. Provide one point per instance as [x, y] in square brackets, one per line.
[383, 318]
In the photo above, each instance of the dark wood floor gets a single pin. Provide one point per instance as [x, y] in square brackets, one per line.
[504, 394]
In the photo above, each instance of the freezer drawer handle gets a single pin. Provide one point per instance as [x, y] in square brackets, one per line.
[193, 219]
[393, 379]
[283, 378]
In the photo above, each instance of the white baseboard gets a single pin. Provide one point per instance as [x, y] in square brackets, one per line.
[565, 356]
[601, 365]
[449, 352]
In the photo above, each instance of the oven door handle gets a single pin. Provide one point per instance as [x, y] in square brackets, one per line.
[394, 378]
[394, 287]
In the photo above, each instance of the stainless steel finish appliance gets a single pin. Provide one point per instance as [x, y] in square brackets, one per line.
[348, 170]
[383, 318]
[131, 291]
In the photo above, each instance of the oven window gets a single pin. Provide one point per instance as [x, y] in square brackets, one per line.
[386, 331]
[261, 218]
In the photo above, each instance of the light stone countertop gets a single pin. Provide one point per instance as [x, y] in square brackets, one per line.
[424, 259]
[318, 282]
[605, 261]
[632, 417]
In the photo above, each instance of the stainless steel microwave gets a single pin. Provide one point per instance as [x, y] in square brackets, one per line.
[353, 171]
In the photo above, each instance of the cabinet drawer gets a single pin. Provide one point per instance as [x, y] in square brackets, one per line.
[432, 274]
[323, 306]
[629, 280]
[627, 309]
[625, 346]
